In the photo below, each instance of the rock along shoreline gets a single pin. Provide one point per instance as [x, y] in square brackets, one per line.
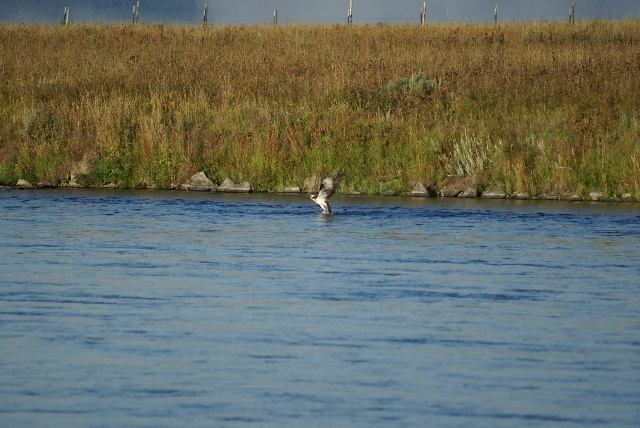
[452, 187]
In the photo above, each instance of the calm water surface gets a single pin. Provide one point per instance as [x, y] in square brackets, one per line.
[160, 309]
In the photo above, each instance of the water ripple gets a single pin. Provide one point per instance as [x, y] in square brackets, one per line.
[163, 309]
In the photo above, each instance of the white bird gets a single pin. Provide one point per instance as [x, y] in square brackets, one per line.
[328, 186]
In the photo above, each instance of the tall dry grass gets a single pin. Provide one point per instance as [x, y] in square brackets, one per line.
[535, 107]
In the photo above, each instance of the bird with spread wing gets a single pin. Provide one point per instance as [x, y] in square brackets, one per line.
[327, 188]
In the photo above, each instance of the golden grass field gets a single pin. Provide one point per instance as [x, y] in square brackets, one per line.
[540, 108]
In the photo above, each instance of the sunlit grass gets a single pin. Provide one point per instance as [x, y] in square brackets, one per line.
[536, 107]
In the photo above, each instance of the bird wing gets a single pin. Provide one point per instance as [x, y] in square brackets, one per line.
[329, 185]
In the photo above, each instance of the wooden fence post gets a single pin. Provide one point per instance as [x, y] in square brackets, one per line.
[206, 13]
[572, 13]
[275, 18]
[423, 14]
[350, 16]
[136, 12]
[496, 13]
[67, 11]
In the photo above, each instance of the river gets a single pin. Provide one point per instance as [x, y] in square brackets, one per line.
[184, 309]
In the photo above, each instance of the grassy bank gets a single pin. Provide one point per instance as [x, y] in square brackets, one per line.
[535, 107]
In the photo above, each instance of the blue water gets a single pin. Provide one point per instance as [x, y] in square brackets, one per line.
[175, 309]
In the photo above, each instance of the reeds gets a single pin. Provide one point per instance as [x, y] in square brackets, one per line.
[535, 107]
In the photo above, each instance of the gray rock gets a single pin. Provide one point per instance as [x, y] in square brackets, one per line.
[229, 186]
[547, 197]
[290, 189]
[596, 195]
[574, 198]
[520, 195]
[468, 193]
[419, 190]
[454, 185]
[494, 194]
[627, 197]
[200, 182]
[389, 193]
[74, 183]
[449, 192]
[24, 183]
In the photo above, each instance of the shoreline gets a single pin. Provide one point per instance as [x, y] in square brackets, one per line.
[417, 192]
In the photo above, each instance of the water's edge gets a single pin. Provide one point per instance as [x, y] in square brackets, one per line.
[494, 194]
